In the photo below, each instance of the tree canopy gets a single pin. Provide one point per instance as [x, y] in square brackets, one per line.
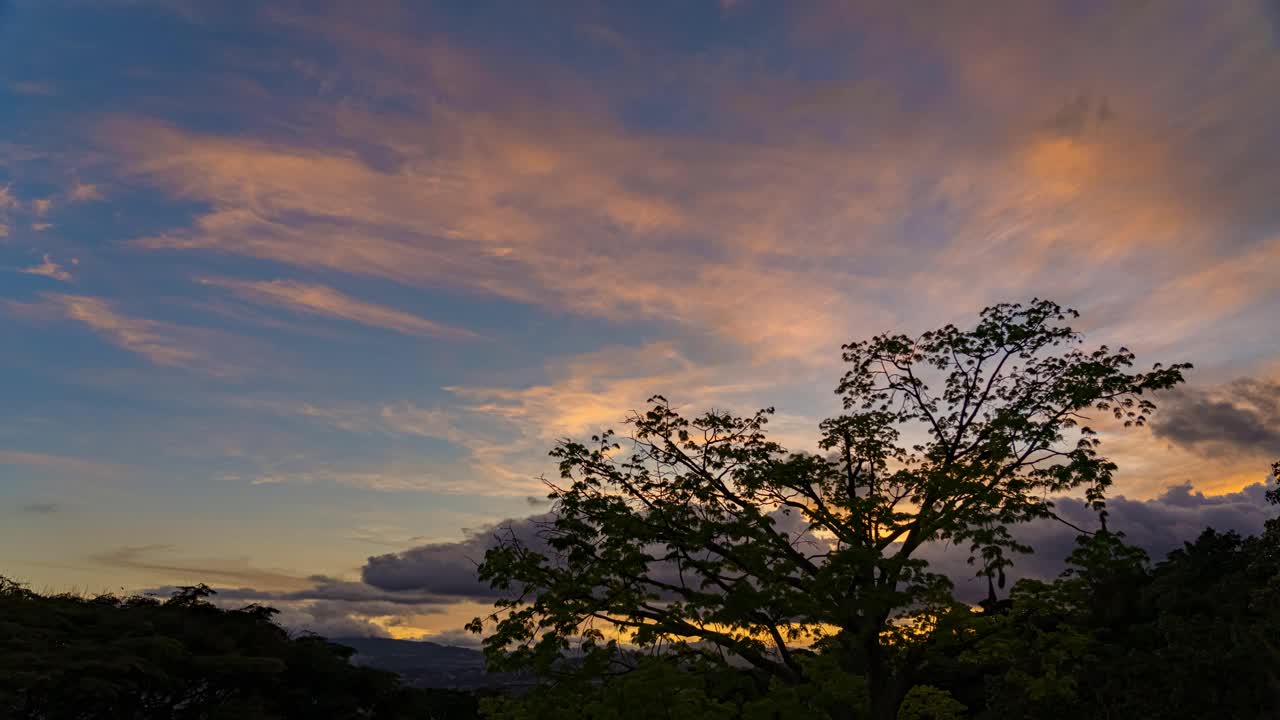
[69, 657]
[701, 541]
[1196, 635]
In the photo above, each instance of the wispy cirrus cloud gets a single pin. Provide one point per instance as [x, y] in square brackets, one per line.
[708, 218]
[163, 559]
[395, 477]
[505, 432]
[154, 340]
[33, 88]
[323, 300]
[71, 467]
[50, 269]
[1147, 203]
[160, 342]
[8, 203]
[782, 242]
[593, 391]
[84, 192]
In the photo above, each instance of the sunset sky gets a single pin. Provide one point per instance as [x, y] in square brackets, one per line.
[286, 285]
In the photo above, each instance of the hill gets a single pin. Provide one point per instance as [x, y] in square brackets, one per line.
[425, 664]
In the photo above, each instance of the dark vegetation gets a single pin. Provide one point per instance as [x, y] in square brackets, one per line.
[65, 657]
[1196, 635]
[743, 579]
[696, 569]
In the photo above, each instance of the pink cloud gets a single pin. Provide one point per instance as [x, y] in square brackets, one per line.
[84, 192]
[50, 269]
[160, 342]
[70, 466]
[322, 300]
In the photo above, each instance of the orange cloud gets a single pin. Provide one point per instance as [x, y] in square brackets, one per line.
[598, 390]
[7, 202]
[512, 428]
[148, 338]
[1184, 308]
[506, 431]
[136, 335]
[84, 192]
[379, 478]
[1112, 177]
[162, 343]
[322, 300]
[50, 269]
[494, 220]
[1149, 466]
[784, 247]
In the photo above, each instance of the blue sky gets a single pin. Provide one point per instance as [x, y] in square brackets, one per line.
[287, 284]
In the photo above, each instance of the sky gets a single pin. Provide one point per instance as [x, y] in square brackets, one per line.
[296, 295]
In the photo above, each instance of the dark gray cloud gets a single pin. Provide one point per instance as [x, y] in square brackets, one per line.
[447, 568]
[332, 607]
[1241, 416]
[330, 618]
[1157, 526]
[457, 638]
[41, 508]
[333, 590]
[1272, 8]
[422, 580]
[450, 568]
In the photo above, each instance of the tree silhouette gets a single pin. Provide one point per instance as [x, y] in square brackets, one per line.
[66, 657]
[1196, 635]
[703, 542]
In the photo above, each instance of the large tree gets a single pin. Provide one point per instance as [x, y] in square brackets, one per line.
[701, 540]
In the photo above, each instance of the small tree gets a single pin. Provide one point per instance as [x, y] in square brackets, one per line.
[704, 541]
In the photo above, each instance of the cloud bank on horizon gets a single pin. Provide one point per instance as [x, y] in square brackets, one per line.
[439, 577]
[287, 281]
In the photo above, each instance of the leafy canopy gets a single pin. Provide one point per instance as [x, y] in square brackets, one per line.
[700, 539]
[68, 657]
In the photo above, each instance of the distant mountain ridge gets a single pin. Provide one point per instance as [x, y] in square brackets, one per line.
[431, 665]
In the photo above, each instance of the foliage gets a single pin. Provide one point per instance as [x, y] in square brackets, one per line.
[925, 702]
[1198, 635]
[654, 689]
[1195, 635]
[66, 656]
[705, 542]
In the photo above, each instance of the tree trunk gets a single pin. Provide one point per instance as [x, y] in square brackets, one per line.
[885, 689]
[885, 699]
